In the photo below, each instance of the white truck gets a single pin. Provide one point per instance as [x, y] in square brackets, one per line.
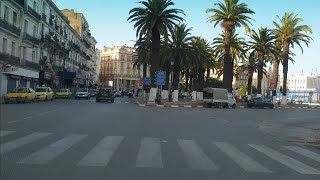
[218, 97]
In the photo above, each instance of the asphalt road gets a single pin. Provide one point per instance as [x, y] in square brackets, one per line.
[82, 139]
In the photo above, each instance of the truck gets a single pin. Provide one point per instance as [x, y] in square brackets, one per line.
[218, 97]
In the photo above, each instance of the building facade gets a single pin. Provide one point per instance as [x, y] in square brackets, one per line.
[117, 68]
[39, 46]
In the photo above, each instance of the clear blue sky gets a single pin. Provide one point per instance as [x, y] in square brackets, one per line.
[108, 21]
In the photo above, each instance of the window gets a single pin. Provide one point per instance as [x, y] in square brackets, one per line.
[14, 18]
[34, 5]
[13, 49]
[34, 31]
[33, 56]
[43, 8]
[4, 46]
[6, 13]
[24, 53]
[25, 26]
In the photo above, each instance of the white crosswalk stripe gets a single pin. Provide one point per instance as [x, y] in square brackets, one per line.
[4, 133]
[9, 146]
[195, 157]
[304, 152]
[102, 153]
[50, 152]
[244, 161]
[285, 160]
[149, 153]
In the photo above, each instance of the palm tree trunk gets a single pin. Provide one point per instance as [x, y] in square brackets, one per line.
[201, 79]
[285, 67]
[167, 69]
[208, 74]
[227, 64]
[155, 55]
[190, 82]
[260, 71]
[187, 80]
[176, 74]
[249, 83]
[276, 73]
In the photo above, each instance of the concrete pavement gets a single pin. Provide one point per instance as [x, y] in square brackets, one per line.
[82, 139]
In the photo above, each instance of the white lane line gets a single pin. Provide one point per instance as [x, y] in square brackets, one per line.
[196, 158]
[304, 152]
[244, 161]
[102, 153]
[285, 160]
[4, 133]
[37, 115]
[52, 151]
[150, 153]
[9, 146]
[126, 102]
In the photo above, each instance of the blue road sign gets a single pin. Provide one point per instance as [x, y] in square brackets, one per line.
[147, 81]
[160, 78]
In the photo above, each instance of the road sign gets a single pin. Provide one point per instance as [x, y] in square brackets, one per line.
[160, 78]
[310, 93]
[147, 81]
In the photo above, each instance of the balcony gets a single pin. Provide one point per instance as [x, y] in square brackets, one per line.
[32, 65]
[10, 59]
[10, 27]
[34, 13]
[30, 38]
[44, 17]
[51, 21]
[73, 45]
[20, 2]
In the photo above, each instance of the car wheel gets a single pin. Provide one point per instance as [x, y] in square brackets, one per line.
[52, 98]
[97, 100]
[6, 102]
[112, 101]
[234, 106]
[24, 101]
[34, 100]
[46, 98]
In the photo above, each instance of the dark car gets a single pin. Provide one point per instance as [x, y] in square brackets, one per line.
[93, 92]
[105, 94]
[260, 102]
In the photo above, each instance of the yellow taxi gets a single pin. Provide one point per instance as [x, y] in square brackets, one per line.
[44, 93]
[20, 95]
[63, 93]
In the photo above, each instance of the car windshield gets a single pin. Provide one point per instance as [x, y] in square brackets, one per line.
[41, 90]
[105, 90]
[83, 90]
[63, 90]
[93, 90]
[20, 90]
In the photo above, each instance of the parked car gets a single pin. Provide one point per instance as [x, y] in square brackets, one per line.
[218, 97]
[260, 102]
[82, 93]
[105, 94]
[93, 92]
[63, 93]
[44, 93]
[20, 95]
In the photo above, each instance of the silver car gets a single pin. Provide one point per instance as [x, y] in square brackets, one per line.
[82, 93]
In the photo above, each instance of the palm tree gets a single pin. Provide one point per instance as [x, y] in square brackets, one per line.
[250, 66]
[289, 32]
[262, 44]
[230, 14]
[179, 48]
[155, 18]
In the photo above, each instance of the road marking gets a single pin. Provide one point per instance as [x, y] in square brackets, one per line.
[126, 102]
[149, 153]
[50, 152]
[244, 161]
[175, 106]
[9, 146]
[102, 153]
[285, 160]
[37, 115]
[304, 152]
[196, 158]
[4, 133]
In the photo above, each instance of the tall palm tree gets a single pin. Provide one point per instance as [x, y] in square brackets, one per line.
[230, 14]
[262, 44]
[250, 66]
[155, 18]
[289, 32]
[179, 48]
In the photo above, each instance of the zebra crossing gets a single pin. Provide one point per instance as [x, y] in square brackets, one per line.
[149, 153]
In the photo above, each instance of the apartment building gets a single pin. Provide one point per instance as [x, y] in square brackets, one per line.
[117, 67]
[39, 46]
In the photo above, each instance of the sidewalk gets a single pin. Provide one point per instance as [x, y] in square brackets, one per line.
[165, 103]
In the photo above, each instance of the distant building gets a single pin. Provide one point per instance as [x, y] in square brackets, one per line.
[117, 68]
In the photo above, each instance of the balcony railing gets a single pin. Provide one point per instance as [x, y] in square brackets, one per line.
[73, 45]
[10, 27]
[32, 65]
[30, 38]
[9, 58]
[34, 13]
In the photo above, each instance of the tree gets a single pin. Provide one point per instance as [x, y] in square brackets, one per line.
[262, 44]
[289, 32]
[214, 83]
[250, 66]
[155, 18]
[230, 14]
[179, 48]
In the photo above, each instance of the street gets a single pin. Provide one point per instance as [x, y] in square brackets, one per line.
[81, 140]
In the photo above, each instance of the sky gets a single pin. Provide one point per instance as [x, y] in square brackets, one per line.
[108, 22]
